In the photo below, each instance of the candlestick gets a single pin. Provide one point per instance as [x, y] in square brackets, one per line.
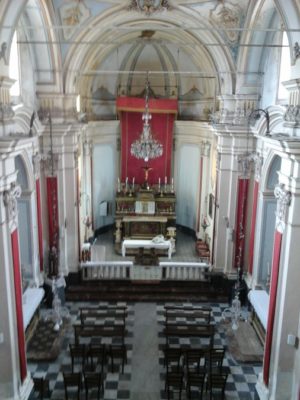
[133, 180]
[119, 185]
[172, 185]
[126, 184]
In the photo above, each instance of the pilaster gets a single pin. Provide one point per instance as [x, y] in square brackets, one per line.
[60, 155]
[15, 382]
[6, 111]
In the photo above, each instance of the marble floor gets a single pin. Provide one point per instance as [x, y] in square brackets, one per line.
[143, 376]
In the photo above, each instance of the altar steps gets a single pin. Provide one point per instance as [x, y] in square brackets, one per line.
[148, 291]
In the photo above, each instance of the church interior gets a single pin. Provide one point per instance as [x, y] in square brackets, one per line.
[149, 206]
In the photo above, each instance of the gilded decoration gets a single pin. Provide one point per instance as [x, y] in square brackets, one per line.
[72, 15]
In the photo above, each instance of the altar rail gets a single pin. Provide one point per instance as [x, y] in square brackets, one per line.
[95, 270]
[183, 270]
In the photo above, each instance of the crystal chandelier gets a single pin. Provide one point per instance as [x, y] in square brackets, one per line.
[146, 147]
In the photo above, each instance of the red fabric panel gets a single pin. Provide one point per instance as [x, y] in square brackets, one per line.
[52, 202]
[18, 298]
[253, 225]
[162, 130]
[272, 305]
[161, 106]
[39, 221]
[240, 227]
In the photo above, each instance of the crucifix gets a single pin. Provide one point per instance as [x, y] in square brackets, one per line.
[146, 171]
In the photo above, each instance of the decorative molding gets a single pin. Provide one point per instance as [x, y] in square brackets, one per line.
[6, 111]
[87, 148]
[292, 114]
[245, 162]
[36, 162]
[205, 148]
[296, 51]
[149, 6]
[10, 201]
[73, 15]
[283, 201]
[258, 163]
[228, 17]
[3, 52]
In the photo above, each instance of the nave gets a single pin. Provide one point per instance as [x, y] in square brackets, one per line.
[144, 372]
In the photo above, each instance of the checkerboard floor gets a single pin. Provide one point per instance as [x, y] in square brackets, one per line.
[240, 384]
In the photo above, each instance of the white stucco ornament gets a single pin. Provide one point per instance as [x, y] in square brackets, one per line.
[149, 6]
[10, 201]
[283, 197]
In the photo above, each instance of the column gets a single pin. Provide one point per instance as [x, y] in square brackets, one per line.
[277, 354]
[36, 167]
[258, 164]
[15, 380]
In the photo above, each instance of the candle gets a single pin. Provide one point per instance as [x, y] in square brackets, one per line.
[165, 180]
[269, 269]
[126, 183]
[119, 185]
[133, 179]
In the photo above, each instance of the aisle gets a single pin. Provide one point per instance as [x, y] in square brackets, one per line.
[145, 383]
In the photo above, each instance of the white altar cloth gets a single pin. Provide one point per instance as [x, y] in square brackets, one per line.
[260, 302]
[31, 298]
[146, 244]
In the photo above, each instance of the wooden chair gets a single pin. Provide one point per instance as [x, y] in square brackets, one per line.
[117, 352]
[41, 385]
[78, 352]
[214, 360]
[93, 380]
[173, 360]
[72, 380]
[174, 383]
[96, 356]
[216, 382]
[195, 379]
[195, 360]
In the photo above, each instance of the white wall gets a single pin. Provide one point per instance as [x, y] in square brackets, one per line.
[104, 178]
[187, 185]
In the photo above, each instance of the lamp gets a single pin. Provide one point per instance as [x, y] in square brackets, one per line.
[146, 147]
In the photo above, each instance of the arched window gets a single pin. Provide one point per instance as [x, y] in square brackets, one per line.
[14, 70]
[285, 67]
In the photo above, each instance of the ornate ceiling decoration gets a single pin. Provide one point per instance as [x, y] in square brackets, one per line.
[149, 6]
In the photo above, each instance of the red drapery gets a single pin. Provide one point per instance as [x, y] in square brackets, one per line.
[163, 116]
[272, 305]
[240, 227]
[39, 221]
[18, 298]
[52, 211]
[253, 225]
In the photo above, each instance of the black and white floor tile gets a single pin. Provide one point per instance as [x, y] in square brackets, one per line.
[240, 384]
[241, 379]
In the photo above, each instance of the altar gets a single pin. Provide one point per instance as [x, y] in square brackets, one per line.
[146, 244]
[143, 214]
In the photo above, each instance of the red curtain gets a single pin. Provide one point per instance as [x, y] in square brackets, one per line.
[18, 298]
[272, 305]
[52, 202]
[39, 221]
[240, 227]
[253, 225]
[163, 116]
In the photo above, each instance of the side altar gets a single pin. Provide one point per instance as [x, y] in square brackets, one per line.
[144, 213]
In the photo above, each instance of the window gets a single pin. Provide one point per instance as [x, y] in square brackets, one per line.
[285, 67]
[14, 71]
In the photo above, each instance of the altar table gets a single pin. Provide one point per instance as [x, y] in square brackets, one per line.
[146, 244]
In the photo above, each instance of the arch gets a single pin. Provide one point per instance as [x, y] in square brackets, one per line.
[27, 170]
[83, 58]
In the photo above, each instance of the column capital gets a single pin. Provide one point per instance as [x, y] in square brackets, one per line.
[10, 201]
[283, 197]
